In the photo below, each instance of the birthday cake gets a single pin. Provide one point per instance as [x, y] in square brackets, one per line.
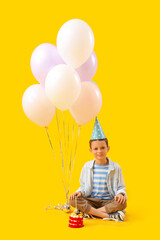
[75, 221]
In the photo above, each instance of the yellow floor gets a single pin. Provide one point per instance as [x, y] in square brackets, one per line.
[51, 223]
[34, 222]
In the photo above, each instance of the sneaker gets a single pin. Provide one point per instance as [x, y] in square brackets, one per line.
[87, 216]
[124, 211]
[117, 216]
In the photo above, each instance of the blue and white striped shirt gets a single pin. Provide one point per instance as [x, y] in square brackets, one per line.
[100, 189]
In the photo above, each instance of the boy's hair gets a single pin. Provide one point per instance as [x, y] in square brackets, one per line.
[105, 139]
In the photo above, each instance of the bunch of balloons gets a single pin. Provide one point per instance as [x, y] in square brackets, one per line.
[64, 73]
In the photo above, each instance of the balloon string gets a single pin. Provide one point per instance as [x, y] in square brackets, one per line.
[61, 149]
[60, 142]
[50, 141]
[66, 192]
[68, 142]
[52, 149]
[71, 148]
[76, 148]
[64, 130]
[65, 154]
[75, 152]
[70, 155]
[76, 202]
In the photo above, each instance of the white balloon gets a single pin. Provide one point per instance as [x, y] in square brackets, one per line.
[62, 86]
[37, 106]
[75, 42]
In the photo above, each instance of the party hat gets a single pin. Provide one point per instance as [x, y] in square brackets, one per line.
[97, 131]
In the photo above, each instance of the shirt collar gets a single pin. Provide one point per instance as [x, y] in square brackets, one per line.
[111, 164]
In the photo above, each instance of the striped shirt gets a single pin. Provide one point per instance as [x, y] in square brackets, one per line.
[100, 189]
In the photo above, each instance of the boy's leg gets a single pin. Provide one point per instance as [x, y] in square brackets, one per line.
[110, 206]
[89, 206]
[82, 204]
[98, 213]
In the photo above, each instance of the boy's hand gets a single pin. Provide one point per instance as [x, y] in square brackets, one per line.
[120, 198]
[72, 196]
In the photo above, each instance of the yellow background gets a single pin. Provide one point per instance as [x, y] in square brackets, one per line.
[127, 47]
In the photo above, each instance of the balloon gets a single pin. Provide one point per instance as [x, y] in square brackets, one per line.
[62, 86]
[75, 42]
[88, 69]
[94, 83]
[88, 103]
[44, 57]
[37, 106]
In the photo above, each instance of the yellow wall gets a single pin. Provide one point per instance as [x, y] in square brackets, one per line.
[127, 47]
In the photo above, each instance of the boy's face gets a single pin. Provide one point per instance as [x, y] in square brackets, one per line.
[99, 149]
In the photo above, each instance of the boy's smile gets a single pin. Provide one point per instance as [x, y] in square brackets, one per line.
[99, 149]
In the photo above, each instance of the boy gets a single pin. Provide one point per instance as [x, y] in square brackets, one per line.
[102, 191]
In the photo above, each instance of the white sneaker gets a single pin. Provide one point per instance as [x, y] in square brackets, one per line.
[116, 216]
[124, 211]
[86, 216]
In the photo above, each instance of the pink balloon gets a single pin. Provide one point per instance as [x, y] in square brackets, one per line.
[87, 70]
[37, 106]
[44, 57]
[94, 83]
[88, 104]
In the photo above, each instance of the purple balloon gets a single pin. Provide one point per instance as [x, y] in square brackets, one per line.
[44, 57]
[87, 70]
